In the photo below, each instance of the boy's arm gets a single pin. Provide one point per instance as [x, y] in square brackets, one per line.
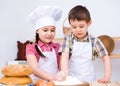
[107, 70]
[64, 58]
[64, 62]
[106, 59]
[63, 66]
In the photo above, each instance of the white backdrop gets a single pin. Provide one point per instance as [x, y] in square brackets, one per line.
[13, 25]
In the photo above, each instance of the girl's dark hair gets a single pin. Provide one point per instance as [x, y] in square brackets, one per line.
[79, 13]
[36, 47]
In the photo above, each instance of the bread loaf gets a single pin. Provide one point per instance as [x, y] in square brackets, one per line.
[17, 70]
[8, 80]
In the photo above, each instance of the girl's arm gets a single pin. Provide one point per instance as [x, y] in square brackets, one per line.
[107, 70]
[37, 71]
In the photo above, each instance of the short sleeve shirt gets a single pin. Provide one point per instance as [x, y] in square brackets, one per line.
[30, 48]
[98, 49]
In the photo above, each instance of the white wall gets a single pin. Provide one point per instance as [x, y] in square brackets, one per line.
[14, 27]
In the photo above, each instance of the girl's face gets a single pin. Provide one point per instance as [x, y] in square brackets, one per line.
[79, 28]
[46, 34]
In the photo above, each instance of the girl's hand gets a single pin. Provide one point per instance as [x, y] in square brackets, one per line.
[104, 80]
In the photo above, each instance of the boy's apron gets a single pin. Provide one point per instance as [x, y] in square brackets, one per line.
[48, 64]
[80, 63]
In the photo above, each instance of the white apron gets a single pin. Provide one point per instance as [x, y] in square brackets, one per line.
[80, 63]
[48, 63]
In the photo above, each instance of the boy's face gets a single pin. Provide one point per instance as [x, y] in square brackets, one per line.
[46, 34]
[79, 28]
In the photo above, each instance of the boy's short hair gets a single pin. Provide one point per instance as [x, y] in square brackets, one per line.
[79, 12]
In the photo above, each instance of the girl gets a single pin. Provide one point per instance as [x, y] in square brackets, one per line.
[42, 55]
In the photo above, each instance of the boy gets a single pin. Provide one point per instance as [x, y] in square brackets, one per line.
[80, 49]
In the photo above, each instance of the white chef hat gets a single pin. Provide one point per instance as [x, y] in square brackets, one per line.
[44, 16]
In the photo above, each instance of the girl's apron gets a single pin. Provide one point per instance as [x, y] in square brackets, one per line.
[80, 63]
[48, 63]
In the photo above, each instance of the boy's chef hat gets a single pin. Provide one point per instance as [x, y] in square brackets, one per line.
[44, 16]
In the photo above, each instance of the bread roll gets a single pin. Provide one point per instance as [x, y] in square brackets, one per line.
[17, 70]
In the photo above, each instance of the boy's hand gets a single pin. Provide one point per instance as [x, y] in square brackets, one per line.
[104, 80]
[61, 75]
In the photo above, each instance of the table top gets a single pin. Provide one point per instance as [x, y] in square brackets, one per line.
[117, 83]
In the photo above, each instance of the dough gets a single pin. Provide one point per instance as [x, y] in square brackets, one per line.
[17, 70]
[71, 81]
[15, 80]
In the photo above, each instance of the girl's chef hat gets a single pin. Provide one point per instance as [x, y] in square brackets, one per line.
[44, 16]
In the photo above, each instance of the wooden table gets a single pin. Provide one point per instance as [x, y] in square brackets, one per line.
[110, 84]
